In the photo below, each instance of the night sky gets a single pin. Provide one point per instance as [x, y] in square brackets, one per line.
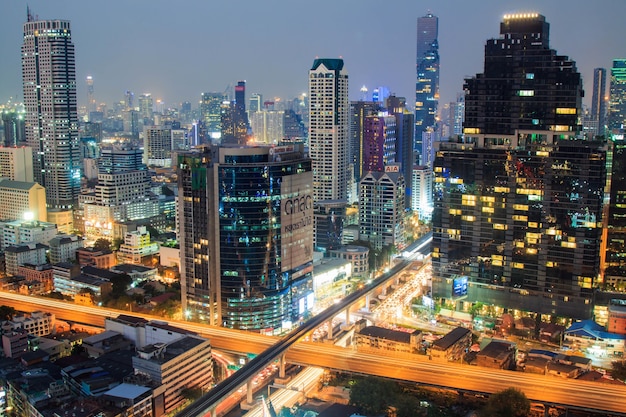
[177, 50]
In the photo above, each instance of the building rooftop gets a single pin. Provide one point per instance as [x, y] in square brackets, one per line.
[388, 334]
[333, 64]
[130, 268]
[17, 185]
[450, 338]
[129, 391]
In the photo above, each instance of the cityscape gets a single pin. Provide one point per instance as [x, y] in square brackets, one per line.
[208, 211]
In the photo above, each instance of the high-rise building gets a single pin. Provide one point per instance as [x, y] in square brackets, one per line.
[617, 97]
[16, 163]
[359, 110]
[246, 229]
[13, 123]
[614, 257]
[49, 81]
[211, 113]
[91, 101]
[157, 146]
[518, 200]
[146, 108]
[329, 129]
[405, 133]
[381, 208]
[379, 142]
[256, 103]
[422, 196]
[427, 82]
[598, 99]
[520, 94]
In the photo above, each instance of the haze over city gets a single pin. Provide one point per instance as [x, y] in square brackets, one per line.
[176, 51]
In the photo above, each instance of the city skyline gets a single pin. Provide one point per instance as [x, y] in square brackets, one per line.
[168, 51]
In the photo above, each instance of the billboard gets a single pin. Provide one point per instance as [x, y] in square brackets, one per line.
[296, 220]
[459, 286]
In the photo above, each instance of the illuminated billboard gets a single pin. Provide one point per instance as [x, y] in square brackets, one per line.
[296, 220]
[459, 286]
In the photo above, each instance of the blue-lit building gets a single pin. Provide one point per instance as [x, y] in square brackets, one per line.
[246, 236]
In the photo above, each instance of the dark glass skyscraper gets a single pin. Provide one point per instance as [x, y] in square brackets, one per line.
[598, 100]
[617, 105]
[525, 84]
[246, 216]
[427, 83]
[517, 222]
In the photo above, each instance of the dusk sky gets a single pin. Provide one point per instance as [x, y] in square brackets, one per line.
[177, 50]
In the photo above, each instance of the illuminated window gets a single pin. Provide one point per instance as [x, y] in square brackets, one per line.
[530, 76]
[526, 93]
[468, 200]
[565, 110]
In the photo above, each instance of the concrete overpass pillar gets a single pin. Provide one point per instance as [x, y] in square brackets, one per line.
[347, 315]
[282, 363]
[213, 412]
[367, 302]
[330, 329]
[249, 395]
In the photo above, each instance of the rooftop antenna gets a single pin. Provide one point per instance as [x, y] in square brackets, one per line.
[29, 15]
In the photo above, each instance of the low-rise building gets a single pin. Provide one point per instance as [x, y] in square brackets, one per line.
[63, 248]
[105, 342]
[137, 273]
[388, 340]
[29, 253]
[590, 336]
[498, 355]
[452, 346]
[358, 256]
[183, 364]
[14, 343]
[37, 323]
[96, 257]
[616, 322]
[37, 273]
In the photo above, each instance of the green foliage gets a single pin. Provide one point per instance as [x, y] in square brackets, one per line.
[618, 370]
[120, 283]
[167, 309]
[7, 312]
[102, 244]
[373, 395]
[508, 403]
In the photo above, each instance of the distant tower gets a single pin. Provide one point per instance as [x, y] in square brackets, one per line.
[598, 101]
[363, 91]
[91, 106]
[49, 82]
[617, 105]
[427, 84]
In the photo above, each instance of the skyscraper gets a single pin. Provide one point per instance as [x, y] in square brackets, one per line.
[246, 216]
[427, 81]
[49, 83]
[211, 113]
[329, 129]
[518, 200]
[379, 142]
[598, 100]
[617, 104]
[405, 132]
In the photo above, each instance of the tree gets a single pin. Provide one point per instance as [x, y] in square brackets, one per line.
[120, 283]
[7, 312]
[508, 403]
[373, 395]
[618, 370]
[102, 244]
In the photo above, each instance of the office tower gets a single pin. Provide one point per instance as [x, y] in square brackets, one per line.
[146, 108]
[381, 208]
[246, 236]
[329, 128]
[293, 127]
[617, 103]
[17, 163]
[91, 101]
[422, 196]
[405, 133]
[614, 259]
[256, 103]
[523, 99]
[379, 142]
[14, 125]
[122, 193]
[268, 126]
[211, 113]
[427, 84]
[518, 200]
[359, 110]
[49, 80]
[157, 146]
[598, 101]
[235, 119]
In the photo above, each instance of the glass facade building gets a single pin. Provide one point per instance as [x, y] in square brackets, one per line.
[518, 200]
[256, 236]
